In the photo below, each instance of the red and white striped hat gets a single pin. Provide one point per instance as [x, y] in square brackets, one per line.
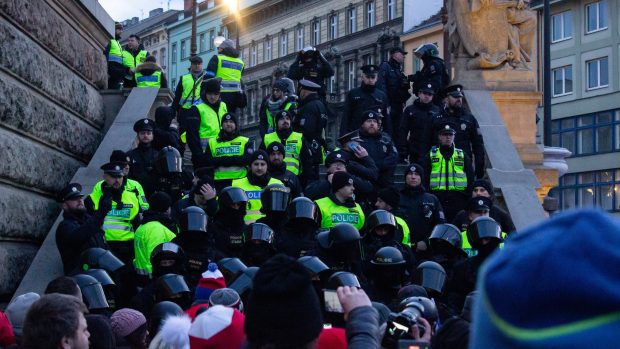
[219, 327]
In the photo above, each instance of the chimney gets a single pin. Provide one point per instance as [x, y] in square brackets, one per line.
[156, 12]
[187, 7]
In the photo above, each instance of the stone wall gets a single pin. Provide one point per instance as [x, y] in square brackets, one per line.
[51, 117]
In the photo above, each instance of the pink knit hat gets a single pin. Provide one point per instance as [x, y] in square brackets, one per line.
[125, 321]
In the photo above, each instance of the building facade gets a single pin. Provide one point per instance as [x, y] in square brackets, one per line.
[585, 56]
[348, 34]
[424, 27]
[208, 26]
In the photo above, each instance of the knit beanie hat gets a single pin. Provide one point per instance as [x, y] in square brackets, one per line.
[281, 85]
[160, 202]
[119, 156]
[276, 146]
[212, 85]
[416, 168]
[211, 280]
[390, 195]
[282, 114]
[226, 297]
[219, 327]
[332, 338]
[341, 179]
[283, 308]
[484, 183]
[411, 291]
[230, 117]
[18, 308]
[125, 321]
[259, 155]
[553, 285]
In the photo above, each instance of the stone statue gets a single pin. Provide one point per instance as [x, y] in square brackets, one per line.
[492, 34]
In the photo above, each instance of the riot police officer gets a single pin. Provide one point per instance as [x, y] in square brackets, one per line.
[380, 231]
[446, 246]
[416, 137]
[168, 175]
[310, 64]
[228, 224]
[258, 247]
[341, 250]
[298, 237]
[387, 275]
[195, 241]
[274, 201]
[395, 84]
[363, 98]
[143, 156]
[433, 71]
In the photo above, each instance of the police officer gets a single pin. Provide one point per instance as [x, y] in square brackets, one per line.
[168, 175]
[446, 246]
[468, 135]
[165, 133]
[124, 216]
[143, 156]
[282, 98]
[298, 236]
[149, 74]
[114, 55]
[339, 206]
[196, 243]
[227, 153]
[380, 231]
[484, 188]
[388, 199]
[274, 202]
[228, 224]
[310, 64]
[257, 179]
[202, 194]
[156, 228]
[311, 122]
[227, 66]
[78, 230]
[433, 71]
[395, 84]
[421, 210]
[450, 173]
[277, 168]
[363, 98]
[298, 156]
[258, 247]
[387, 274]
[187, 93]
[417, 135]
[378, 144]
[133, 54]
[476, 207]
[340, 249]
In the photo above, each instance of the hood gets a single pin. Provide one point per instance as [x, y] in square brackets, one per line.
[230, 52]
[148, 68]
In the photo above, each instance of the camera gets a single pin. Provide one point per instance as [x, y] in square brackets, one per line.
[399, 324]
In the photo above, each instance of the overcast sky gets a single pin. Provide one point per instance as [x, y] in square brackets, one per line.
[121, 10]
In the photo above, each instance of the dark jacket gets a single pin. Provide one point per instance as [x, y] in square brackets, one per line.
[393, 82]
[382, 150]
[288, 178]
[149, 68]
[227, 233]
[312, 118]
[322, 188]
[362, 328]
[164, 134]
[359, 100]
[316, 70]
[434, 71]
[77, 233]
[297, 239]
[142, 163]
[462, 220]
[421, 210]
[417, 134]
[210, 208]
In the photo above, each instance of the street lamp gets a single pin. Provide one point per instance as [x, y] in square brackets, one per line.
[233, 8]
[232, 5]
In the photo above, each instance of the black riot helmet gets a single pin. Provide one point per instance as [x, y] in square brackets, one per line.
[341, 233]
[102, 276]
[468, 306]
[431, 314]
[160, 312]
[388, 256]
[388, 267]
[243, 282]
[231, 268]
[171, 287]
[431, 275]
[379, 218]
[167, 257]
[313, 264]
[169, 160]
[446, 232]
[232, 195]
[92, 292]
[99, 258]
[193, 219]
[483, 228]
[426, 50]
[304, 210]
[259, 232]
[342, 278]
[275, 198]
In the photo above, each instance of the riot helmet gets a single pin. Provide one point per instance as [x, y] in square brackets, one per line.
[388, 267]
[167, 258]
[99, 258]
[160, 312]
[173, 288]
[168, 161]
[92, 292]
[431, 275]
[446, 239]
[388, 256]
[341, 233]
[430, 313]
[483, 228]
[193, 219]
[259, 232]
[101, 275]
[342, 278]
[232, 195]
[303, 209]
[378, 218]
[426, 50]
[313, 264]
[231, 268]
[468, 306]
[275, 198]
[258, 244]
[243, 283]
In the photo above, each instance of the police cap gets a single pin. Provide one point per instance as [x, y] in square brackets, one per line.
[259, 155]
[195, 60]
[276, 147]
[397, 49]
[114, 168]
[145, 124]
[336, 156]
[446, 127]
[479, 203]
[370, 69]
[454, 91]
[283, 114]
[309, 85]
[428, 87]
[371, 114]
[230, 117]
[70, 192]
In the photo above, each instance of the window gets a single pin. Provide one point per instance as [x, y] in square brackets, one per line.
[368, 59]
[183, 49]
[162, 56]
[283, 44]
[596, 16]
[316, 32]
[598, 73]
[562, 81]
[299, 43]
[211, 39]
[597, 188]
[265, 91]
[588, 134]
[562, 26]
[351, 75]
[252, 105]
[155, 56]
[202, 46]
[391, 9]
[351, 20]
[370, 14]
[253, 56]
[333, 27]
[174, 83]
[210, 4]
[331, 84]
[267, 50]
[174, 53]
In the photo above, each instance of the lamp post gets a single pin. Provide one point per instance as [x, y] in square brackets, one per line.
[546, 73]
[233, 8]
[193, 48]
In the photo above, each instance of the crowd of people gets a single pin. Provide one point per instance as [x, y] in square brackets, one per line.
[254, 247]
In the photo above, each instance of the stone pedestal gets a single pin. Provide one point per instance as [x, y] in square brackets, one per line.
[504, 79]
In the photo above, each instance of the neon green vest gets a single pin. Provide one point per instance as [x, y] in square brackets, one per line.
[147, 237]
[229, 69]
[293, 149]
[117, 223]
[332, 214]
[455, 177]
[253, 191]
[271, 122]
[405, 229]
[188, 99]
[235, 147]
[130, 61]
[116, 52]
[467, 246]
[136, 187]
[153, 80]
[210, 121]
